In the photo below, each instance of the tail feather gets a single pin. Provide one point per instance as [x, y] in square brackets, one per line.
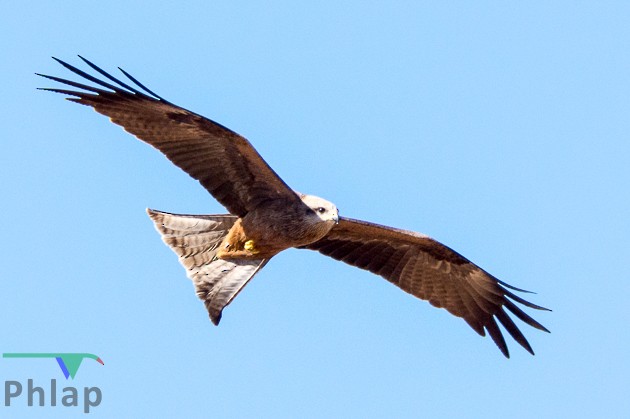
[195, 239]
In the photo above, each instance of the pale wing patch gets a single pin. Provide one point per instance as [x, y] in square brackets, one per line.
[195, 239]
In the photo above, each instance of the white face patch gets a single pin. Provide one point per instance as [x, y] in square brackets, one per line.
[325, 210]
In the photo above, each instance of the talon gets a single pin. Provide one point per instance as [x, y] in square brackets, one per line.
[249, 245]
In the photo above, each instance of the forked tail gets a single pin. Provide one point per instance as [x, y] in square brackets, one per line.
[195, 239]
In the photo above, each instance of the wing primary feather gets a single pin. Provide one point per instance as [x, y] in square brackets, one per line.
[483, 301]
[89, 77]
[73, 84]
[524, 316]
[62, 91]
[109, 76]
[512, 287]
[497, 336]
[513, 330]
[476, 326]
[474, 314]
[142, 86]
[524, 302]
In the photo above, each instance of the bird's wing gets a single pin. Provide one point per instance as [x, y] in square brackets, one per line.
[225, 163]
[431, 271]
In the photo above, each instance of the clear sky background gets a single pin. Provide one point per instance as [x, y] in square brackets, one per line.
[502, 130]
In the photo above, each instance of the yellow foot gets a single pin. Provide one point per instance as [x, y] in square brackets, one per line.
[249, 246]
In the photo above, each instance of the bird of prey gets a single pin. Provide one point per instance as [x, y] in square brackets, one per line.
[221, 253]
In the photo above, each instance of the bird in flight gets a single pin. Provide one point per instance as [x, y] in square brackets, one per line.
[221, 253]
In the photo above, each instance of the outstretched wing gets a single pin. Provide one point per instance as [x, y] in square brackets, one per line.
[431, 271]
[225, 163]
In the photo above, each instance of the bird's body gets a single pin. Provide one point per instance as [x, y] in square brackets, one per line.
[221, 253]
[277, 225]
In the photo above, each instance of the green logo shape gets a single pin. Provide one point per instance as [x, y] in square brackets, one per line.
[68, 362]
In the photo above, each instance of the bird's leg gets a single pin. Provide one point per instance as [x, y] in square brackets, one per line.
[236, 244]
[250, 246]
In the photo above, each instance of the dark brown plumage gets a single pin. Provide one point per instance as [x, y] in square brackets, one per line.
[223, 252]
[429, 270]
[225, 163]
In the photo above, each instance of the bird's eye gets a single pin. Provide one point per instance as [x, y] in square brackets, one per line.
[321, 210]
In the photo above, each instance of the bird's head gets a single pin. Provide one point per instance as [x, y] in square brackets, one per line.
[325, 210]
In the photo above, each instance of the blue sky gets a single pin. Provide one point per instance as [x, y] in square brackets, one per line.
[501, 130]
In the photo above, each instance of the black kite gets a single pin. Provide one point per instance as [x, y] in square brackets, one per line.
[221, 253]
